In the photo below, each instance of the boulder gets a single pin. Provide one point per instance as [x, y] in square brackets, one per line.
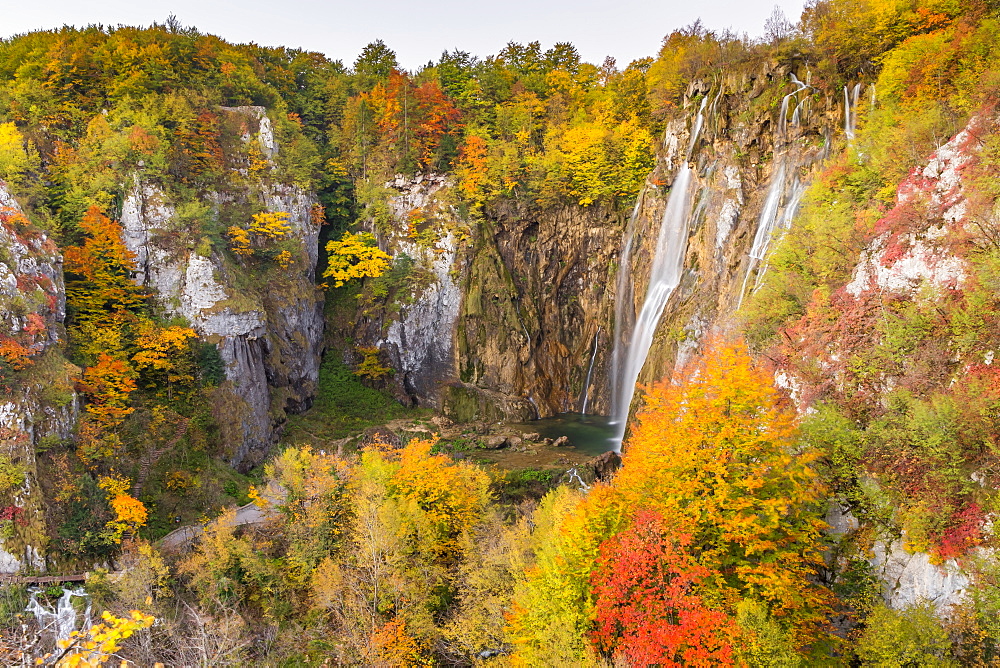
[606, 465]
[494, 442]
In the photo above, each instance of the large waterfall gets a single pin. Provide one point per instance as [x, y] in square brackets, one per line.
[665, 275]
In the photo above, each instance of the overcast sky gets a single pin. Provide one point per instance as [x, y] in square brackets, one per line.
[417, 31]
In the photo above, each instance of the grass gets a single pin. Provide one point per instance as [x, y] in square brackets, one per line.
[344, 407]
[518, 485]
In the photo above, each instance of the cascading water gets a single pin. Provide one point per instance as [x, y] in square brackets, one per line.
[668, 264]
[766, 222]
[61, 620]
[794, 199]
[851, 110]
[665, 275]
[778, 194]
[590, 372]
[783, 113]
[624, 305]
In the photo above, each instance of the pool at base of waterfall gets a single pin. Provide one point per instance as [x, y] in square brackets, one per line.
[588, 434]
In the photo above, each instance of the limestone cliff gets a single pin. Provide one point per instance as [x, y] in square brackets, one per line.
[39, 404]
[266, 319]
[498, 316]
[762, 135]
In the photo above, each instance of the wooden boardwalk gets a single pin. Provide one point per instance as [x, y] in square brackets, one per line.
[7, 578]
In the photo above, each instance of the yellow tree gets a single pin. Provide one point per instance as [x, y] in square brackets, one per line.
[164, 355]
[355, 256]
[98, 644]
[98, 272]
[130, 513]
[452, 495]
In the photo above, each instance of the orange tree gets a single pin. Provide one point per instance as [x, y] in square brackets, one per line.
[718, 452]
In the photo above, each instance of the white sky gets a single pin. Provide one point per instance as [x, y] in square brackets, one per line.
[416, 31]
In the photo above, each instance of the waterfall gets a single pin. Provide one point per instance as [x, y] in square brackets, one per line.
[791, 208]
[851, 110]
[699, 121]
[765, 222]
[624, 304]
[668, 264]
[534, 404]
[664, 276]
[62, 620]
[782, 194]
[590, 372]
[783, 113]
[769, 212]
[769, 222]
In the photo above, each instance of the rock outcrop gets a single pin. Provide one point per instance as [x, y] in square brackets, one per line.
[39, 404]
[267, 323]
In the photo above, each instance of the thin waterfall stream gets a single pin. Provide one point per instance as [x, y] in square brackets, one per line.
[590, 372]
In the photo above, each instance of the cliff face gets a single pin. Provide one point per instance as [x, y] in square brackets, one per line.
[266, 320]
[39, 404]
[538, 294]
[538, 289]
[498, 316]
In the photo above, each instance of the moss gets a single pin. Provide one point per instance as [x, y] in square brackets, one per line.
[463, 403]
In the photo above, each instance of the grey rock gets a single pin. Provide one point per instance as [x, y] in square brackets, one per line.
[494, 442]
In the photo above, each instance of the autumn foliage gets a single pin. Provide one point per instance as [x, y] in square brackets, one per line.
[716, 504]
[355, 256]
[98, 271]
[717, 450]
[648, 609]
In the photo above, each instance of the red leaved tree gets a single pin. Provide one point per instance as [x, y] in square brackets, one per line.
[648, 610]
